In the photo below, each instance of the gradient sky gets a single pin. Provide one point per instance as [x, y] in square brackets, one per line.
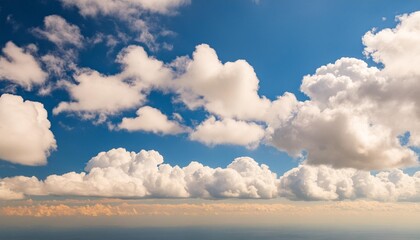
[232, 85]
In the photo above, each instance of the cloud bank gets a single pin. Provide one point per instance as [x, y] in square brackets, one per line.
[123, 174]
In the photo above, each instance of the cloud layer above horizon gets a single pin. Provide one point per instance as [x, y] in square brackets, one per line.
[123, 174]
[357, 118]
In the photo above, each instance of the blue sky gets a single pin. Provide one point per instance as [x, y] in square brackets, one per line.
[282, 40]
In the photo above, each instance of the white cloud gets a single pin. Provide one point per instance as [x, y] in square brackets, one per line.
[119, 173]
[20, 67]
[228, 131]
[325, 183]
[134, 13]
[228, 90]
[97, 95]
[60, 32]
[25, 131]
[151, 120]
[397, 48]
[145, 70]
[123, 174]
[357, 114]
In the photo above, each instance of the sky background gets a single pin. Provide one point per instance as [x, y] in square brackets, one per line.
[283, 41]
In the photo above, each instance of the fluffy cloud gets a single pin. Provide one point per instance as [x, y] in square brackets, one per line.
[228, 131]
[151, 120]
[20, 67]
[228, 90]
[357, 115]
[145, 71]
[60, 32]
[25, 130]
[123, 174]
[119, 173]
[325, 183]
[98, 95]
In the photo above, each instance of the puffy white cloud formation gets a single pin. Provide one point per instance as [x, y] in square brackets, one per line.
[325, 183]
[96, 95]
[357, 115]
[25, 131]
[20, 67]
[228, 131]
[60, 32]
[99, 95]
[229, 90]
[150, 119]
[120, 173]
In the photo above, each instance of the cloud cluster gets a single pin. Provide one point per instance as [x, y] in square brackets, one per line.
[123, 174]
[120, 173]
[20, 67]
[25, 132]
[355, 117]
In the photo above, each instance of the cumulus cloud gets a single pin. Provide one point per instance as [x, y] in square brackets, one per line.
[25, 130]
[356, 114]
[98, 95]
[123, 174]
[228, 131]
[325, 183]
[120, 173]
[60, 32]
[20, 67]
[150, 119]
[228, 90]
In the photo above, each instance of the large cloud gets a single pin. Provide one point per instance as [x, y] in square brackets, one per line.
[120, 173]
[19, 66]
[360, 116]
[25, 131]
[123, 174]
